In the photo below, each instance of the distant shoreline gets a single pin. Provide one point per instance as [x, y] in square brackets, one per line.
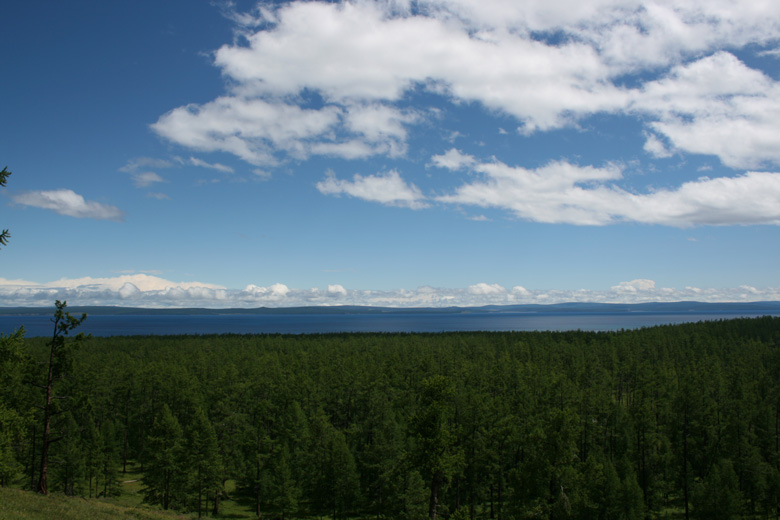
[573, 307]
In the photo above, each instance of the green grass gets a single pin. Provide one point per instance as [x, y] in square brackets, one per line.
[17, 504]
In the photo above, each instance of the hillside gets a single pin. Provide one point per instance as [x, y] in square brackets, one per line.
[17, 504]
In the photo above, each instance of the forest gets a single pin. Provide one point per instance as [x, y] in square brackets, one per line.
[675, 421]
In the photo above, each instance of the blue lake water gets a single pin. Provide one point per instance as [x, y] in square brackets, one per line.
[126, 325]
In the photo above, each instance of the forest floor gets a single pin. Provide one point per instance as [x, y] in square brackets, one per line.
[16, 504]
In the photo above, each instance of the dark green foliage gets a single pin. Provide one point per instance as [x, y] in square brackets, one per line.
[14, 421]
[717, 496]
[59, 368]
[205, 462]
[650, 423]
[165, 477]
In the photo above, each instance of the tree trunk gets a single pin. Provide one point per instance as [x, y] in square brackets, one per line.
[434, 503]
[217, 494]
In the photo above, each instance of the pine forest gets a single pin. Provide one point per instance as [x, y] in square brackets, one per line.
[675, 421]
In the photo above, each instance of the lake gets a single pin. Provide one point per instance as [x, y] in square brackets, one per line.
[125, 325]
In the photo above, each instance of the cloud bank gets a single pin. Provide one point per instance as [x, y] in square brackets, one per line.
[154, 292]
[335, 79]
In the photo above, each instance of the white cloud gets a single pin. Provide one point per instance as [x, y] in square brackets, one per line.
[775, 53]
[155, 292]
[329, 78]
[144, 179]
[257, 130]
[484, 289]
[453, 159]
[142, 282]
[70, 203]
[561, 192]
[275, 293]
[248, 128]
[128, 290]
[334, 79]
[214, 166]
[634, 286]
[716, 106]
[358, 51]
[382, 125]
[389, 189]
[656, 147]
[336, 291]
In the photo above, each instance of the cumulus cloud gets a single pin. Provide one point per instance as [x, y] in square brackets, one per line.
[154, 292]
[634, 286]
[453, 159]
[716, 106]
[484, 289]
[361, 51]
[546, 64]
[336, 291]
[561, 192]
[335, 78]
[256, 129]
[69, 203]
[389, 189]
[248, 128]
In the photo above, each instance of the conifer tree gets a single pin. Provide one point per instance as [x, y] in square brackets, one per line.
[13, 423]
[436, 451]
[205, 461]
[60, 360]
[164, 478]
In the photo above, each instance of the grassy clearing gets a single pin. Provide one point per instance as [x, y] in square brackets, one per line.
[16, 504]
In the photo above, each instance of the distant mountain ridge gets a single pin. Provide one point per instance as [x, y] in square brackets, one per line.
[571, 307]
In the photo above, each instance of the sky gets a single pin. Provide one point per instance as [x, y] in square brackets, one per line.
[430, 153]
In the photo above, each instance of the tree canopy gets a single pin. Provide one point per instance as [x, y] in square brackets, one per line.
[587, 425]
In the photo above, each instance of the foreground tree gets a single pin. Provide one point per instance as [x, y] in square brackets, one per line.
[206, 463]
[59, 366]
[165, 472]
[437, 454]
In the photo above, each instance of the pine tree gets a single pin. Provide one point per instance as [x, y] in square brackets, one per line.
[13, 423]
[60, 359]
[108, 457]
[205, 461]
[436, 452]
[164, 477]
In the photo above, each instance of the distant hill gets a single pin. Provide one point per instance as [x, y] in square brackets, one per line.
[573, 307]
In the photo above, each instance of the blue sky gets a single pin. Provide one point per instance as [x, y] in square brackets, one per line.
[429, 153]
